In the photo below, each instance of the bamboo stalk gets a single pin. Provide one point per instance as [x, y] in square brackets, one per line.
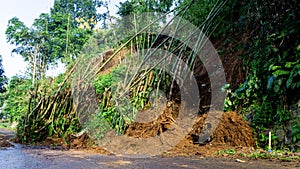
[270, 141]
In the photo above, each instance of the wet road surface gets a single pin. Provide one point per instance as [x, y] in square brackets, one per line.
[37, 158]
[20, 157]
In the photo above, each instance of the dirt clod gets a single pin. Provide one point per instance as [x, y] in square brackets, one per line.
[232, 131]
[4, 142]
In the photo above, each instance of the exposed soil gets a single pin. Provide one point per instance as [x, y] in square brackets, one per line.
[81, 142]
[232, 131]
[5, 136]
[4, 142]
[156, 127]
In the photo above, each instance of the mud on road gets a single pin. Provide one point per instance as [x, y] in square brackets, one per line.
[35, 158]
[38, 157]
[5, 135]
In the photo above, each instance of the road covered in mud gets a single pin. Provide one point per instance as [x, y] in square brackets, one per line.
[35, 157]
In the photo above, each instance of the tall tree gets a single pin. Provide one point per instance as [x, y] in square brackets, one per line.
[3, 82]
[131, 7]
[71, 25]
[57, 36]
[138, 6]
[3, 78]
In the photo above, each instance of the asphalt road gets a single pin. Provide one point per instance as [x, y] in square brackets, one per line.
[20, 157]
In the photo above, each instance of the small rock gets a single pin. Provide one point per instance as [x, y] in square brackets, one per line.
[240, 161]
[225, 155]
[297, 154]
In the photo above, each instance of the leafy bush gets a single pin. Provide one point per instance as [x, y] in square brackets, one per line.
[15, 104]
[272, 63]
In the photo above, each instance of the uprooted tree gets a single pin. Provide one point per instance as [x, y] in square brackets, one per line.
[260, 40]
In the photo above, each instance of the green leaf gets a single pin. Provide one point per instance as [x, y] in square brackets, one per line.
[289, 64]
[289, 82]
[272, 67]
[280, 73]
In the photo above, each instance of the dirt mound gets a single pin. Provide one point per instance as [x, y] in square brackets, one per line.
[6, 135]
[4, 142]
[232, 131]
[79, 141]
[153, 128]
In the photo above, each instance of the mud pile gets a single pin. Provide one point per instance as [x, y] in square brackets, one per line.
[232, 131]
[156, 127]
[4, 142]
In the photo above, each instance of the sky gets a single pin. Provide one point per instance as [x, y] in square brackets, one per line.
[26, 11]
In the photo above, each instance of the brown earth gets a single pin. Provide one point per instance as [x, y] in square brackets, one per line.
[75, 142]
[5, 136]
[4, 142]
[232, 131]
[156, 127]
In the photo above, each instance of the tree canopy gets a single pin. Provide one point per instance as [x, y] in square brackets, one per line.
[3, 78]
[57, 35]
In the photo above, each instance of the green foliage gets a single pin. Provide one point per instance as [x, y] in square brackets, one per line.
[271, 57]
[16, 98]
[279, 155]
[227, 151]
[3, 83]
[97, 126]
[199, 13]
[104, 84]
[131, 10]
[52, 113]
[130, 7]
[58, 35]
[296, 129]
[85, 9]
[5, 125]
[117, 114]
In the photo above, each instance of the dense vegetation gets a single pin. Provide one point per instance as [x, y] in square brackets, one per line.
[3, 82]
[263, 35]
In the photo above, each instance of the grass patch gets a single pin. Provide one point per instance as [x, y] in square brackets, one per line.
[277, 155]
[227, 151]
[5, 125]
[282, 155]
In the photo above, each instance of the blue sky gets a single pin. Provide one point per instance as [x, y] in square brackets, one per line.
[26, 11]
